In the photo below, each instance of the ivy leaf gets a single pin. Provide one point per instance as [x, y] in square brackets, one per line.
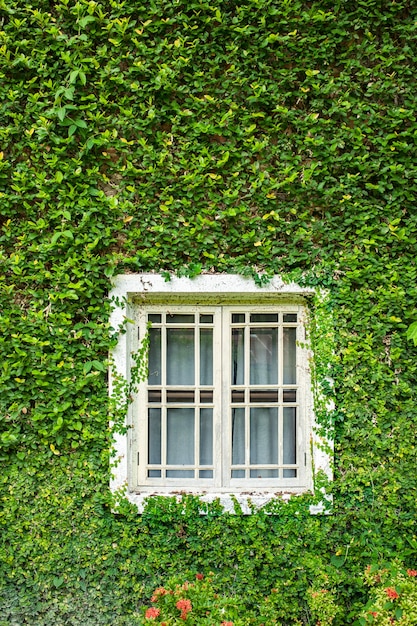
[62, 111]
[337, 561]
[412, 333]
[73, 76]
[86, 20]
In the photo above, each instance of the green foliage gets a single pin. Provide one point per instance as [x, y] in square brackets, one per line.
[253, 137]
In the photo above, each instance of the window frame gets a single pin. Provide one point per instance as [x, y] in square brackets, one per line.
[134, 293]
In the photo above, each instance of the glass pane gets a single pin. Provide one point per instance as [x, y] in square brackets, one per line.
[289, 435]
[205, 473]
[154, 474]
[180, 436]
[206, 396]
[263, 356]
[180, 396]
[238, 436]
[289, 395]
[180, 356]
[263, 473]
[290, 473]
[154, 375]
[156, 318]
[206, 436]
[154, 395]
[289, 348]
[238, 395]
[290, 317]
[238, 356]
[238, 473]
[264, 317]
[238, 318]
[180, 318]
[266, 396]
[154, 436]
[263, 435]
[206, 319]
[180, 473]
[206, 356]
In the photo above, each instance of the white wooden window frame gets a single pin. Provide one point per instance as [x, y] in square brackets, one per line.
[135, 294]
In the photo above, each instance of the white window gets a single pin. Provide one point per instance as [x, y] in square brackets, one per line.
[226, 405]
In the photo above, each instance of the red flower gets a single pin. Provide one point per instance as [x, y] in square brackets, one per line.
[374, 614]
[185, 606]
[152, 613]
[412, 572]
[199, 576]
[226, 624]
[391, 593]
[160, 591]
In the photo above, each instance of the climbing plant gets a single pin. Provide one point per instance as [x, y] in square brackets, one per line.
[244, 136]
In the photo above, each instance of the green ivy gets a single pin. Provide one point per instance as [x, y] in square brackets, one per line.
[244, 136]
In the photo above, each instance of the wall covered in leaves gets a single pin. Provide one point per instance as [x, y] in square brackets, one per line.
[248, 136]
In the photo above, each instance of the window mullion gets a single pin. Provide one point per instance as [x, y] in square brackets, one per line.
[197, 385]
[280, 407]
[164, 396]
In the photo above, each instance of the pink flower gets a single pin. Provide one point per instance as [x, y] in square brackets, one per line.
[152, 613]
[226, 624]
[412, 572]
[185, 606]
[391, 593]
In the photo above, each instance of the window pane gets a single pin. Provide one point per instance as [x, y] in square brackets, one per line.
[289, 435]
[238, 473]
[206, 436]
[180, 396]
[206, 396]
[154, 376]
[290, 317]
[289, 348]
[180, 318]
[289, 395]
[263, 473]
[238, 395]
[238, 436]
[206, 319]
[206, 356]
[205, 473]
[263, 356]
[180, 436]
[154, 436]
[180, 356]
[154, 395]
[238, 318]
[264, 317]
[266, 396]
[263, 435]
[155, 318]
[180, 473]
[238, 356]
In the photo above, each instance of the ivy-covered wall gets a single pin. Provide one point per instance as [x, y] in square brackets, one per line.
[247, 136]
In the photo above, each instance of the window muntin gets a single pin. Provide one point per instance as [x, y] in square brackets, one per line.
[222, 407]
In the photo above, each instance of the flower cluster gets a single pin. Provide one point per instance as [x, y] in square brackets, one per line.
[185, 606]
[195, 601]
[393, 596]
